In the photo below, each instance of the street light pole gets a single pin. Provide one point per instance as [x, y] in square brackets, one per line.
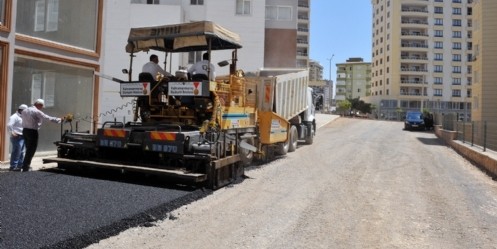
[331, 82]
[330, 65]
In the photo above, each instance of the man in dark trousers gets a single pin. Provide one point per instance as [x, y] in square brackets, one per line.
[32, 119]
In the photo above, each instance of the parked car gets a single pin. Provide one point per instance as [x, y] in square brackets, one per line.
[414, 121]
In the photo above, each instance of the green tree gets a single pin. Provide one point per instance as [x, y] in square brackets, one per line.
[343, 106]
[360, 105]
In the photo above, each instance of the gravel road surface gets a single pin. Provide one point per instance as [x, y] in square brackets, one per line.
[362, 184]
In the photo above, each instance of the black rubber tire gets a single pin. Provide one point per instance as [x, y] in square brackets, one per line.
[294, 137]
[282, 148]
[309, 139]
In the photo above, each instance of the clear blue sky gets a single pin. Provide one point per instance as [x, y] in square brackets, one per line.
[341, 28]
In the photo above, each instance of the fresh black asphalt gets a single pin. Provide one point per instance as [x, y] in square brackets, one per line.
[51, 209]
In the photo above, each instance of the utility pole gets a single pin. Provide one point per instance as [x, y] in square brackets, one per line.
[331, 82]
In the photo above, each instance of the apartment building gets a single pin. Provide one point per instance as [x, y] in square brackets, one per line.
[353, 79]
[421, 57]
[51, 49]
[484, 60]
[315, 71]
[286, 42]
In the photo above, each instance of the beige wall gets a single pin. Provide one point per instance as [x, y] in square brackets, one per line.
[484, 65]
[281, 48]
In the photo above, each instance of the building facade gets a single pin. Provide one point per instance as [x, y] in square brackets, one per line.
[46, 53]
[315, 71]
[421, 57]
[353, 79]
[484, 99]
[286, 42]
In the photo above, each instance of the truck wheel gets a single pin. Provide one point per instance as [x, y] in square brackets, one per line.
[282, 148]
[309, 139]
[294, 137]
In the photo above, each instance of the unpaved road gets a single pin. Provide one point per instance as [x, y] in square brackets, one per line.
[362, 184]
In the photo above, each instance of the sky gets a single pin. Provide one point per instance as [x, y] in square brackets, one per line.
[340, 29]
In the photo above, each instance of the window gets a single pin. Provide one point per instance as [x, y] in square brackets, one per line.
[4, 11]
[437, 92]
[439, 10]
[456, 22]
[281, 13]
[456, 69]
[456, 11]
[456, 34]
[439, 33]
[438, 80]
[456, 57]
[243, 7]
[456, 81]
[438, 69]
[196, 2]
[439, 57]
[469, 57]
[456, 45]
[456, 93]
[60, 21]
[439, 44]
[439, 21]
[63, 87]
[194, 57]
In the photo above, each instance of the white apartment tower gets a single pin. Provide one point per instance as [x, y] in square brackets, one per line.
[421, 57]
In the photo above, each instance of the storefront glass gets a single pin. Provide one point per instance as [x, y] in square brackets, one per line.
[65, 89]
[56, 20]
[2, 12]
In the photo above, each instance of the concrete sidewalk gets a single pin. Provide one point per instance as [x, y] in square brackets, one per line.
[37, 162]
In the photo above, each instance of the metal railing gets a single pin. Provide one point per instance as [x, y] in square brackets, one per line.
[481, 134]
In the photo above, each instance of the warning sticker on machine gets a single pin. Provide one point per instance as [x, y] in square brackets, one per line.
[185, 88]
[135, 89]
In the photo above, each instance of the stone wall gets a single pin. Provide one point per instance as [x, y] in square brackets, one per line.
[476, 155]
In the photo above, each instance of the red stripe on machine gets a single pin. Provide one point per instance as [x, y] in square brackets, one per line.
[114, 133]
[163, 136]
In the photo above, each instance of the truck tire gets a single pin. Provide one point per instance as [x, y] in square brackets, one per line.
[294, 137]
[282, 148]
[309, 139]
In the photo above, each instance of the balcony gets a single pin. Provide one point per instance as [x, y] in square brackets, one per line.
[411, 93]
[414, 58]
[414, 45]
[413, 69]
[414, 22]
[413, 82]
[303, 4]
[415, 10]
[417, 34]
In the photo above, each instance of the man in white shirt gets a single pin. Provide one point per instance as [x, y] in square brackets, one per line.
[203, 67]
[17, 140]
[32, 118]
[153, 67]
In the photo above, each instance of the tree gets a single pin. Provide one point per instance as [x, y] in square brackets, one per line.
[360, 105]
[343, 106]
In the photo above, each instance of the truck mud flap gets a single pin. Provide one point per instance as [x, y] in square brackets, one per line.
[194, 177]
